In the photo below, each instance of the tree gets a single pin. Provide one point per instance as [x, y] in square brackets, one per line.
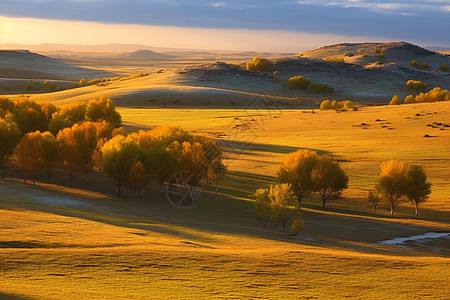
[137, 177]
[75, 112]
[297, 171]
[78, 144]
[193, 161]
[297, 225]
[329, 179]
[281, 197]
[325, 105]
[410, 99]
[395, 100]
[262, 205]
[258, 64]
[29, 115]
[392, 182]
[119, 155]
[416, 85]
[417, 187]
[443, 68]
[35, 153]
[103, 109]
[374, 198]
[9, 137]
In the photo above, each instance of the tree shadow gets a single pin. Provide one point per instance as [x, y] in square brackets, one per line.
[8, 296]
[224, 214]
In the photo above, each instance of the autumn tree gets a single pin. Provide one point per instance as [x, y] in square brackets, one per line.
[297, 171]
[417, 187]
[78, 144]
[103, 109]
[137, 178]
[29, 115]
[75, 112]
[258, 64]
[395, 100]
[329, 179]
[9, 137]
[262, 205]
[374, 198]
[36, 153]
[120, 154]
[392, 182]
[281, 198]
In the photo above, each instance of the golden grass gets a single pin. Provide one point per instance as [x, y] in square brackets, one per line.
[114, 249]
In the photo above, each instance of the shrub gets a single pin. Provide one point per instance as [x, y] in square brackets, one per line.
[276, 73]
[299, 82]
[297, 224]
[416, 85]
[319, 87]
[425, 66]
[435, 95]
[444, 68]
[376, 51]
[364, 55]
[258, 64]
[395, 100]
[325, 105]
[381, 56]
[414, 64]
[410, 99]
[335, 59]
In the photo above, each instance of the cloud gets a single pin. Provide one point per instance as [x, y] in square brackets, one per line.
[388, 7]
[219, 4]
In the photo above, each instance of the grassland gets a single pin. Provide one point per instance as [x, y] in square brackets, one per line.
[85, 243]
[58, 243]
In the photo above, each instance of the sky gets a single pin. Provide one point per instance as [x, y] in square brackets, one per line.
[259, 25]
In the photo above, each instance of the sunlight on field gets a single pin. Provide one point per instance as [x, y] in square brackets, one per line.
[149, 250]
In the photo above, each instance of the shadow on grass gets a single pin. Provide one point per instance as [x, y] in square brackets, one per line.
[244, 148]
[6, 296]
[225, 214]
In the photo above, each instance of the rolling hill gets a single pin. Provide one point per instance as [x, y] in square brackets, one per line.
[23, 64]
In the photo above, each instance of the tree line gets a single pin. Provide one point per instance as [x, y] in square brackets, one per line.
[82, 137]
[304, 172]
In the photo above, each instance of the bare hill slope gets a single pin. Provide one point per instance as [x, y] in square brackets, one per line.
[25, 64]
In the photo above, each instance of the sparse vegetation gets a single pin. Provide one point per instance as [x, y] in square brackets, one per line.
[444, 68]
[335, 59]
[337, 105]
[302, 83]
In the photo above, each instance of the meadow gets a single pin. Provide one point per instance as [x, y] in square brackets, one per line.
[86, 243]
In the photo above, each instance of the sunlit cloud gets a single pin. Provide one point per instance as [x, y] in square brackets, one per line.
[390, 7]
[219, 4]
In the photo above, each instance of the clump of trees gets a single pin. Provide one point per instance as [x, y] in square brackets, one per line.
[337, 105]
[416, 85]
[276, 204]
[258, 64]
[302, 83]
[435, 95]
[307, 172]
[401, 182]
[81, 137]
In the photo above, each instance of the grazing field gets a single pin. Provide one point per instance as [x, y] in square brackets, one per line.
[87, 243]
[50, 248]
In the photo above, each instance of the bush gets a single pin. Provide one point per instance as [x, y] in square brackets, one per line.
[258, 64]
[444, 68]
[337, 105]
[410, 99]
[435, 95]
[299, 82]
[297, 224]
[335, 59]
[414, 64]
[376, 51]
[416, 85]
[395, 100]
[319, 87]
[381, 56]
